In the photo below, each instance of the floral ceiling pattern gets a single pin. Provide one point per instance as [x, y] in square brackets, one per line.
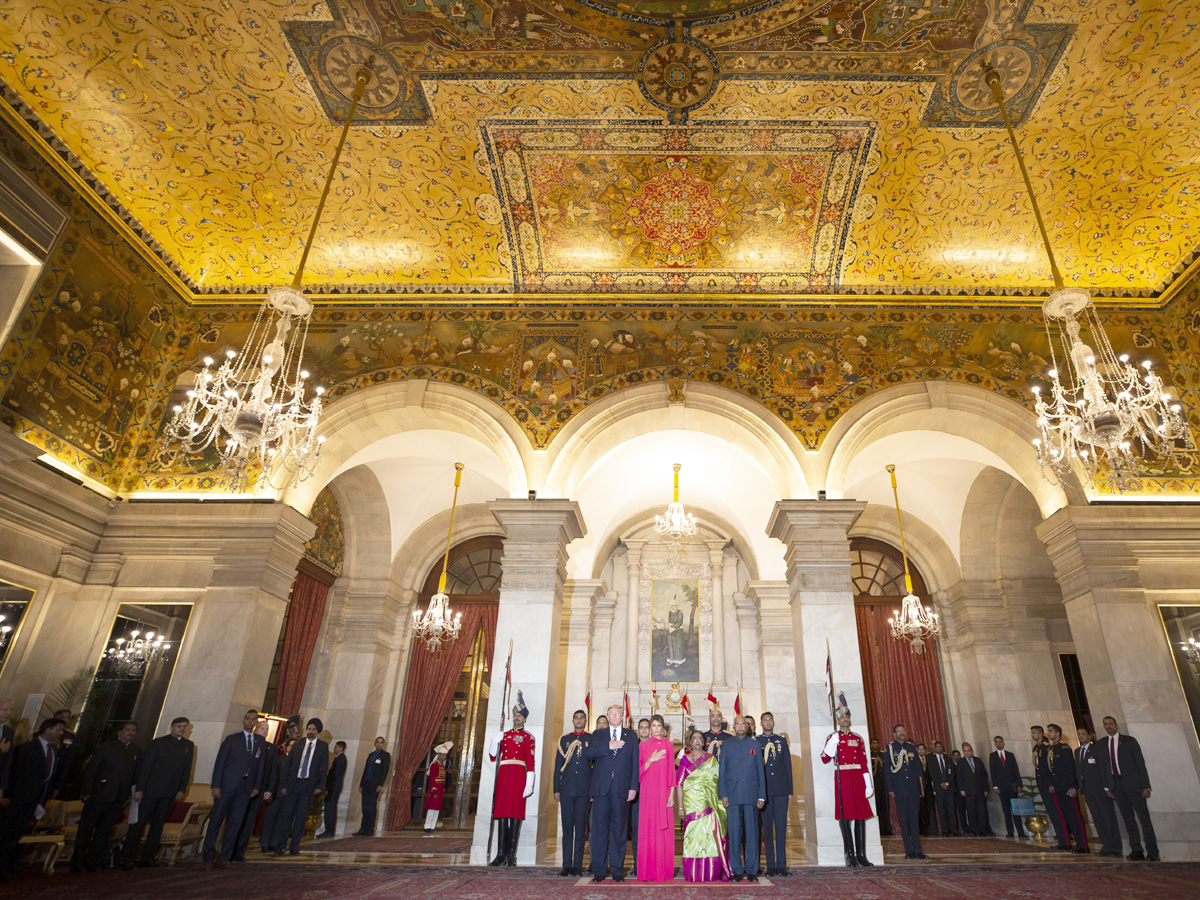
[204, 130]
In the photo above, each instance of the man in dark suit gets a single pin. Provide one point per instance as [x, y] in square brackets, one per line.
[1127, 781]
[235, 779]
[279, 754]
[266, 790]
[904, 781]
[333, 789]
[572, 781]
[1062, 803]
[742, 787]
[162, 778]
[7, 739]
[303, 778]
[30, 781]
[927, 819]
[375, 773]
[1089, 771]
[941, 774]
[777, 768]
[1006, 784]
[107, 785]
[67, 743]
[973, 786]
[613, 752]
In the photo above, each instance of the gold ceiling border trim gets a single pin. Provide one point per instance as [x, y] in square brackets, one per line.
[21, 118]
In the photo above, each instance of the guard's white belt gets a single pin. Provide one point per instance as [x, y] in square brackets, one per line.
[512, 762]
[850, 766]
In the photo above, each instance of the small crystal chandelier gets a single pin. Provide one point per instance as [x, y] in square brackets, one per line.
[1192, 649]
[912, 622]
[677, 524]
[436, 625]
[254, 409]
[128, 657]
[5, 633]
[1102, 412]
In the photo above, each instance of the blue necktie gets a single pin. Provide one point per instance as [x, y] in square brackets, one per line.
[614, 737]
[308, 745]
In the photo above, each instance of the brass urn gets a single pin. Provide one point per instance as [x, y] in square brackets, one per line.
[1037, 826]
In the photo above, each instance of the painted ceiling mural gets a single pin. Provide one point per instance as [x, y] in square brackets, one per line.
[205, 130]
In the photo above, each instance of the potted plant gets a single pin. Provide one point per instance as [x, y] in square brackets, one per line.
[1038, 823]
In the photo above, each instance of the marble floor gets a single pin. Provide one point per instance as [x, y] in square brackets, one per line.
[941, 851]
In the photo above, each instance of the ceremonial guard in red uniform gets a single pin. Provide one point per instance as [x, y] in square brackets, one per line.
[514, 782]
[435, 790]
[853, 784]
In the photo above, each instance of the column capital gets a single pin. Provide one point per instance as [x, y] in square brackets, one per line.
[539, 520]
[796, 521]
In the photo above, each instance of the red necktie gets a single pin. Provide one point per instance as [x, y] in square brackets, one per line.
[1112, 755]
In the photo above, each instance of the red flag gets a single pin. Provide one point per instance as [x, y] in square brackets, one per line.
[713, 700]
[587, 705]
[684, 703]
[628, 712]
[737, 704]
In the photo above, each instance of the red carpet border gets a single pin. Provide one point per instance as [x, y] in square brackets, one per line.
[1112, 881]
[389, 844]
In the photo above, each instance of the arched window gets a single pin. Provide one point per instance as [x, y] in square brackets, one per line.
[878, 573]
[474, 570]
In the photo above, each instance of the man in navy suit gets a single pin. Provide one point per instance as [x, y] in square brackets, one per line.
[33, 772]
[1006, 783]
[236, 776]
[303, 778]
[742, 787]
[1127, 781]
[613, 752]
[375, 773]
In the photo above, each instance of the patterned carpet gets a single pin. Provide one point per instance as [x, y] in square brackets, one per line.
[967, 846]
[400, 843]
[1117, 881]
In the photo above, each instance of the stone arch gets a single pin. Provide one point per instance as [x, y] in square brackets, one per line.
[426, 544]
[366, 522]
[926, 548]
[353, 423]
[645, 408]
[983, 417]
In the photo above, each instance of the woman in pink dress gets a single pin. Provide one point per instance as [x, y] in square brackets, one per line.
[656, 806]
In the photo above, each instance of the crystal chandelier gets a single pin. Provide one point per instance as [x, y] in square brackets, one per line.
[436, 626]
[912, 622]
[1192, 649]
[5, 633]
[128, 657]
[677, 524]
[1102, 412]
[254, 408]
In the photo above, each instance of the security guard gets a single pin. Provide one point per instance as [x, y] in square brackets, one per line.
[904, 782]
[777, 761]
[514, 754]
[1061, 804]
[572, 785]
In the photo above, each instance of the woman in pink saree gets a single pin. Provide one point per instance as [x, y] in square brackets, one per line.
[705, 845]
[656, 806]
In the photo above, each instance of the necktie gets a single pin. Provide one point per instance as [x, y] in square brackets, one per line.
[249, 746]
[49, 761]
[1002, 759]
[308, 745]
[971, 760]
[1112, 754]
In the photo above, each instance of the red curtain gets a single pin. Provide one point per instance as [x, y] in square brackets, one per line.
[432, 678]
[305, 612]
[902, 687]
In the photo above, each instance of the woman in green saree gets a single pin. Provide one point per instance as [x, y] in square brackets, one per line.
[705, 845]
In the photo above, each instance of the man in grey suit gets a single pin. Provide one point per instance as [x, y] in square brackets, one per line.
[742, 787]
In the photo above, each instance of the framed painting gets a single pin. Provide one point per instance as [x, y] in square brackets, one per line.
[675, 629]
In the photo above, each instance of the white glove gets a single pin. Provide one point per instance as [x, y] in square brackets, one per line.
[528, 784]
[494, 746]
[831, 746]
[870, 784]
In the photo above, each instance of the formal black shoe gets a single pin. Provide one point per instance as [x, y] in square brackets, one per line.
[293, 853]
[851, 862]
[1153, 857]
[920, 856]
[753, 879]
[565, 873]
[276, 853]
[500, 860]
[864, 862]
[909, 855]
[238, 858]
[770, 873]
[783, 873]
[1082, 851]
[596, 879]
[1135, 856]
[737, 877]
[619, 878]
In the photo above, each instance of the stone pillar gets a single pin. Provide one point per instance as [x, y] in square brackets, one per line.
[531, 591]
[632, 611]
[814, 533]
[1115, 564]
[575, 669]
[716, 556]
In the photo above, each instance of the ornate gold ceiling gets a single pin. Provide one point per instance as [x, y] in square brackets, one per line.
[560, 149]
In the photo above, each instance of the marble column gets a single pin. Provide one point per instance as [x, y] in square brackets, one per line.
[716, 556]
[632, 611]
[536, 535]
[1115, 564]
[817, 551]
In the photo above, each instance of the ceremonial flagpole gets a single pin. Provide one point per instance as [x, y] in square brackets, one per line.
[503, 721]
[837, 758]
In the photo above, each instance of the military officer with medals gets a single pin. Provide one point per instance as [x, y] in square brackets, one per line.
[1041, 773]
[1061, 805]
[716, 733]
[777, 762]
[513, 753]
[904, 781]
[572, 787]
[852, 784]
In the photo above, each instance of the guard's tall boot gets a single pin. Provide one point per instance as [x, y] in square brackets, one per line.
[848, 843]
[501, 842]
[514, 836]
[860, 843]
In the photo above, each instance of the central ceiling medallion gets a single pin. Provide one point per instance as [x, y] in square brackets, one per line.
[678, 75]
